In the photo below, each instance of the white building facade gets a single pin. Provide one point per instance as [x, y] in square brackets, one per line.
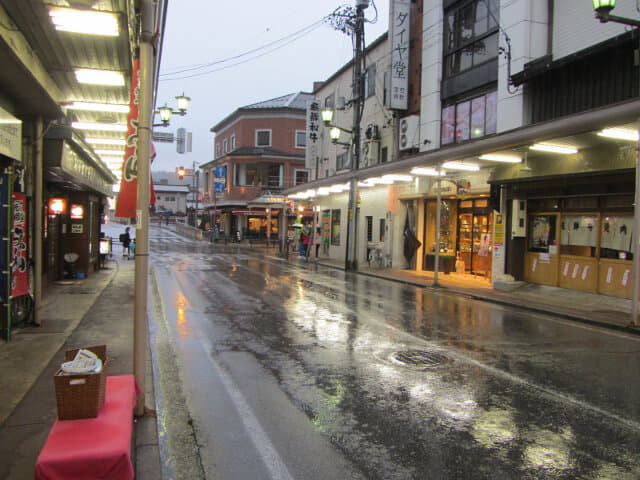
[498, 82]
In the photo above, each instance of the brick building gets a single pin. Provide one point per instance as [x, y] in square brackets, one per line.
[259, 150]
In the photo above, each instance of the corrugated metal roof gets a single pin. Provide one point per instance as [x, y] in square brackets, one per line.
[296, 100]
[293, 102]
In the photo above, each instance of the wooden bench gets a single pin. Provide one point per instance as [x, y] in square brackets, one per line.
[94, 448]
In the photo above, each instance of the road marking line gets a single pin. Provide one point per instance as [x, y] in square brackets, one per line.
[272, 460]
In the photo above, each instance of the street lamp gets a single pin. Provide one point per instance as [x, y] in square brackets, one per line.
[603, 9]
[166, 111]
[334, 130]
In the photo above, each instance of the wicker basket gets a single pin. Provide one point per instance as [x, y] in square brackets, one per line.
[81, 396]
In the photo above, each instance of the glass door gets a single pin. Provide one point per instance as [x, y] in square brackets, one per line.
[465, 239]
[481, 258]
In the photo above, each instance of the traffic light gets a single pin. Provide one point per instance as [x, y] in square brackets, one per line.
[181, 172]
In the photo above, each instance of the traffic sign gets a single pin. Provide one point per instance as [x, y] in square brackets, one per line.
[219, 187]
[221, 171]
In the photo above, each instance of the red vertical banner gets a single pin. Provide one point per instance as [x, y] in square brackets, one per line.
[126, 203]
[19, 271]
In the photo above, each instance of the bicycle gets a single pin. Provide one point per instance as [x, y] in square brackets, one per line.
[377, 258]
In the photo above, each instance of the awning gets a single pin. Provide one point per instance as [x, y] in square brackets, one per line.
[69, 160]
[254, 213]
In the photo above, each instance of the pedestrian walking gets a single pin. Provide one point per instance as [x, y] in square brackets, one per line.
[318, 240]
[125, 239]
[305, 238]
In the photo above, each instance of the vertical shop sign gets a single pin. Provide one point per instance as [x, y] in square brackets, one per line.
[313, 128]
[19, 274]
[127, 197]
[399, 25]
[4, 191]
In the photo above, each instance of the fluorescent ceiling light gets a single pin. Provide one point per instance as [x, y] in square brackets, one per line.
[113, 153]
[398, 178]
[470, 167]
[106, 141]
[426, 171]
[112, 127]
[90, 22]
[496, 157]
[336, 188]
[620, 134]
[365, 183]
[544, 147]
[323, 191]
[99, 107]
[100, 77]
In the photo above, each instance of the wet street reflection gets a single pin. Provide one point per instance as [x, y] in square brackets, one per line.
[415, 383]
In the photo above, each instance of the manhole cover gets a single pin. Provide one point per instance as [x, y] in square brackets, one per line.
[419, 358]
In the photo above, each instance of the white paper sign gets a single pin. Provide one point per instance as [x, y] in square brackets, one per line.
[576, 269]
[609, 274]
[535, 265]
[625, 277]
[585, 272]
[565, 271]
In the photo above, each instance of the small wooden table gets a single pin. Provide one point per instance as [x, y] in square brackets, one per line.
[94, 448]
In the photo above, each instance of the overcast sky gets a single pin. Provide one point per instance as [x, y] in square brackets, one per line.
[201, 32]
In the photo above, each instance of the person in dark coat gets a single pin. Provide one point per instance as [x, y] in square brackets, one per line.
[125, 239]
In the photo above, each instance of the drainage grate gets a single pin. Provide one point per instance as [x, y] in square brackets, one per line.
[419, 358]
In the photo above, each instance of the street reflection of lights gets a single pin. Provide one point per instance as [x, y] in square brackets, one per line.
[459, 409]
[549, 450]
[493, 427]
[181, 315]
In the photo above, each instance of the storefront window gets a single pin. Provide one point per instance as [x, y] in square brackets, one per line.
[335, 227]
[542, 235]
[615, 240]
[578, 235]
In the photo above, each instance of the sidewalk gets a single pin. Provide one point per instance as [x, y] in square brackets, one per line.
[74, 313]
[585, 307]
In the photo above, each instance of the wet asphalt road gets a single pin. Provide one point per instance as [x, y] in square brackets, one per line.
[288, 370]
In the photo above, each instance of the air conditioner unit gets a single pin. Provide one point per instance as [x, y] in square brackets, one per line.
[409, 132]
[370, 154]
[372, 132]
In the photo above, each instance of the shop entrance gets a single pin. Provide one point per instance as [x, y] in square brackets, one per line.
[474, 236]
[465, 236]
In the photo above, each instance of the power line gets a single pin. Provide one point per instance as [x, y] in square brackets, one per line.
[295, 35]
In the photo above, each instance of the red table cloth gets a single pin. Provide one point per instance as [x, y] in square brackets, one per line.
[94, 448]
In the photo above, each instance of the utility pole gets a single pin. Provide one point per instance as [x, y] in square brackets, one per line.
[351, 261]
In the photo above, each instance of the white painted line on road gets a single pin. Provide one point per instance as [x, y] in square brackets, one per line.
[272, 461]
